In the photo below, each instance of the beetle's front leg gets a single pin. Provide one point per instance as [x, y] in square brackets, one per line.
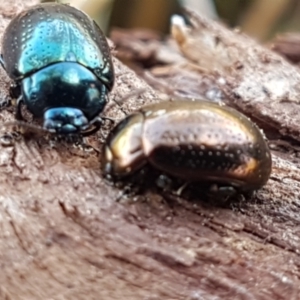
[18, 114]
[14, 90]
[8, 138]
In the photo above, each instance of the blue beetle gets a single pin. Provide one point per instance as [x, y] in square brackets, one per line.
[61, 66]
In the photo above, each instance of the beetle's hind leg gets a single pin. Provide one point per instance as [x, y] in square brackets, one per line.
[222, 194]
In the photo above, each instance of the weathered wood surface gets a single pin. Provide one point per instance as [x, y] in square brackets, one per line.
[63, 235]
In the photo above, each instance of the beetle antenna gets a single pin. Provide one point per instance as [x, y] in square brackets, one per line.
[31, 127]
[133, 94]
[119, 105]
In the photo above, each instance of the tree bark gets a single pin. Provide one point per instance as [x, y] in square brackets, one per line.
[63, 235]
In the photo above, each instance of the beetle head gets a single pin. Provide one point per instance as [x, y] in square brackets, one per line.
[123, 153]
[66, 94]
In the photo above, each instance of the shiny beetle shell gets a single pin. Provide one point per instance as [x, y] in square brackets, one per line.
[191, 140]
[60, 62]
[49, 33]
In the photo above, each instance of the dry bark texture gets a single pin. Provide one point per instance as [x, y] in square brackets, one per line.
[63, 235]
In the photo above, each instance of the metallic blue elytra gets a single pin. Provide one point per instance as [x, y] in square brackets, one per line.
[60, 62]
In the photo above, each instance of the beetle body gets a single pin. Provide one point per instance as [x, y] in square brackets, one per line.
[60, 61]
[194, 141]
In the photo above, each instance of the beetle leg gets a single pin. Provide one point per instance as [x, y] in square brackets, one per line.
[19, 115]
[2, 62]
[78, 141]
[119, 105]
[164, 182]
[5, 102]
[222, 192]
[14, 90]
[112, 120]
[97, 122]
[14, 93]
[179, 191]
[134, 94]
[128, 191]
[9, 138]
